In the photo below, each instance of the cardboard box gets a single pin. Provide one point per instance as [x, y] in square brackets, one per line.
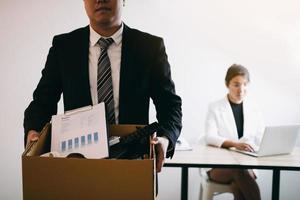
[77, 178]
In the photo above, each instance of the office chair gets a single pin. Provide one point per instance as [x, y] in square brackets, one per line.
[209, 188]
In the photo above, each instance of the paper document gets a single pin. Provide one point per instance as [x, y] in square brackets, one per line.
[182, 145]
[81, 131]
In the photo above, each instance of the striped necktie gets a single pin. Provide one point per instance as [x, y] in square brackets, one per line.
[104, 80]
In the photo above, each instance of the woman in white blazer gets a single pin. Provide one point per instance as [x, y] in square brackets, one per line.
[235, 122]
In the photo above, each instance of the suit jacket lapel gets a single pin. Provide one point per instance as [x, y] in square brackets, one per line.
[127, 70]
[78, 69]
[84, 62]
[229, 119]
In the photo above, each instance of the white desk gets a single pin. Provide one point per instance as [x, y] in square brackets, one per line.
[205, 156]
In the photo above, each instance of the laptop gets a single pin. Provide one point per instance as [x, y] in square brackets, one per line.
[276, 140]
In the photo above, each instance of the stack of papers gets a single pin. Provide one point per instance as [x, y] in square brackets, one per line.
[182, 145]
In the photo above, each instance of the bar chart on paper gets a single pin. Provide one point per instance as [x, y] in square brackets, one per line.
[79, 142]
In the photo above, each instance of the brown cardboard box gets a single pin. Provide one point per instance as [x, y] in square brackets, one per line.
[74, 178]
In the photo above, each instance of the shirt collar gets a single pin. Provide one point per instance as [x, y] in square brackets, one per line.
[117, 36]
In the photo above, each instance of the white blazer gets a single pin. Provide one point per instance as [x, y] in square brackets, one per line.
[220, 124]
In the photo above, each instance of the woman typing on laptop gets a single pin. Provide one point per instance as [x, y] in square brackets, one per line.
[235, 122]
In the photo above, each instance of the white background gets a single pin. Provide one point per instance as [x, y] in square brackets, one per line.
[202, 38]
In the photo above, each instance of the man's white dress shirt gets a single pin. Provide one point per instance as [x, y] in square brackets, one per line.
[114, 53]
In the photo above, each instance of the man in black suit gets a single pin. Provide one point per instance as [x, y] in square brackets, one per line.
[139, 71]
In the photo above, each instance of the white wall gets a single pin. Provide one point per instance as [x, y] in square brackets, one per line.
[202, 39]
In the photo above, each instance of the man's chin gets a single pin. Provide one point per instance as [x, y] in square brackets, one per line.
[104, 22]
[102, 18]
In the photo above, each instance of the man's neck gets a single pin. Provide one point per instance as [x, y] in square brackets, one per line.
[105, 30]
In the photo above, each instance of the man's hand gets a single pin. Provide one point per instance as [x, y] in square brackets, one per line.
[161, 146]
[32, 136]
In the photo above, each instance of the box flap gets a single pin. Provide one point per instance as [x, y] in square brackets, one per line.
[42, 145]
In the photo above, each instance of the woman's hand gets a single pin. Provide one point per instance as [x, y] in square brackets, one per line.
[243, 146]
[238, 145]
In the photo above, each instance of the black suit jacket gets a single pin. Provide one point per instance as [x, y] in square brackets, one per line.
[145, 73]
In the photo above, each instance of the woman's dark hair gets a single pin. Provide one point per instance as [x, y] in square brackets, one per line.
[236, 70]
